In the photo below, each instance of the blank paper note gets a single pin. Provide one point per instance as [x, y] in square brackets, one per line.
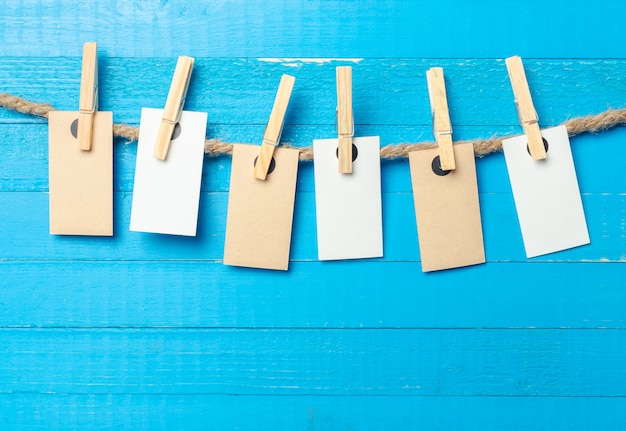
[166, 193]
[547, 198]
[348, 206]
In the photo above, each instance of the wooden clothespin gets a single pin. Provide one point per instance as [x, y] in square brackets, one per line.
[274, 127]
[88, 104]
[345, 118]
[173, 106]
[525, 109]
[442, 129]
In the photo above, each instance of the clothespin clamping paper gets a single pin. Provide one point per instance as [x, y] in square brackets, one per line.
[80, 160]
[345, 118]
[260, 213]
[348, 208]
[166, 193]
[88, 104]
[525, 109]
[547, 197]
[173, 106]
[274, 128]
[445, 192]
[442, 129]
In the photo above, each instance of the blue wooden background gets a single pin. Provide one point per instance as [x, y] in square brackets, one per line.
[143, 331]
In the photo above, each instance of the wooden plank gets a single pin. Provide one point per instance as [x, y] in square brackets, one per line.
[389, 28]
[336, 413]
[24, 167]
[386, 91]
[395, 362]
[311, 295]
[24, 230]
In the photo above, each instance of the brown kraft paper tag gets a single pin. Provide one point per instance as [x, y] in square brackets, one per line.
[81, 182]
[260, 213]
[447, 209]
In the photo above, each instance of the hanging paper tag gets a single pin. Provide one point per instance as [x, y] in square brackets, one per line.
[260, 213]
[348, 206]
[546, 194]
[447, 209]
[81, 182]
[166, 193]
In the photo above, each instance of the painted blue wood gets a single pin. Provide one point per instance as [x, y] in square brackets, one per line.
[143, 331]
[361, 294]
[26, 234]
[324, 362]
[387, 92]
[335, 28]
[336, 413]
[25, 165]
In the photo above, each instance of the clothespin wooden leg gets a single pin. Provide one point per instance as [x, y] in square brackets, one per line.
[344, 154]
[442, 128]
[88, 95]
[274, 127]
[164, 138]
[345, 118]
[173, 106]
[85, 130]
[525, 108]
[264, 160]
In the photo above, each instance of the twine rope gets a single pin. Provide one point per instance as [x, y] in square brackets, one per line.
[216, 147]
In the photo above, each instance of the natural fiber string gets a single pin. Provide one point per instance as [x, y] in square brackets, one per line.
[216, 147]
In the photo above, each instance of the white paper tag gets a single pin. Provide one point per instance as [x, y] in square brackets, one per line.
[546, 194]
[348, 206]
[167, 192]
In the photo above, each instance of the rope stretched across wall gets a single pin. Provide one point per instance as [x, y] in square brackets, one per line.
[216, 147]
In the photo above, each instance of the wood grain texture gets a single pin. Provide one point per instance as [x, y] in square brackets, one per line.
[386, 92]
[25, 234]
[324, 362]
[189, 293]
[301, 28]
[336, 413]
[143, 331]
[24, 166]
